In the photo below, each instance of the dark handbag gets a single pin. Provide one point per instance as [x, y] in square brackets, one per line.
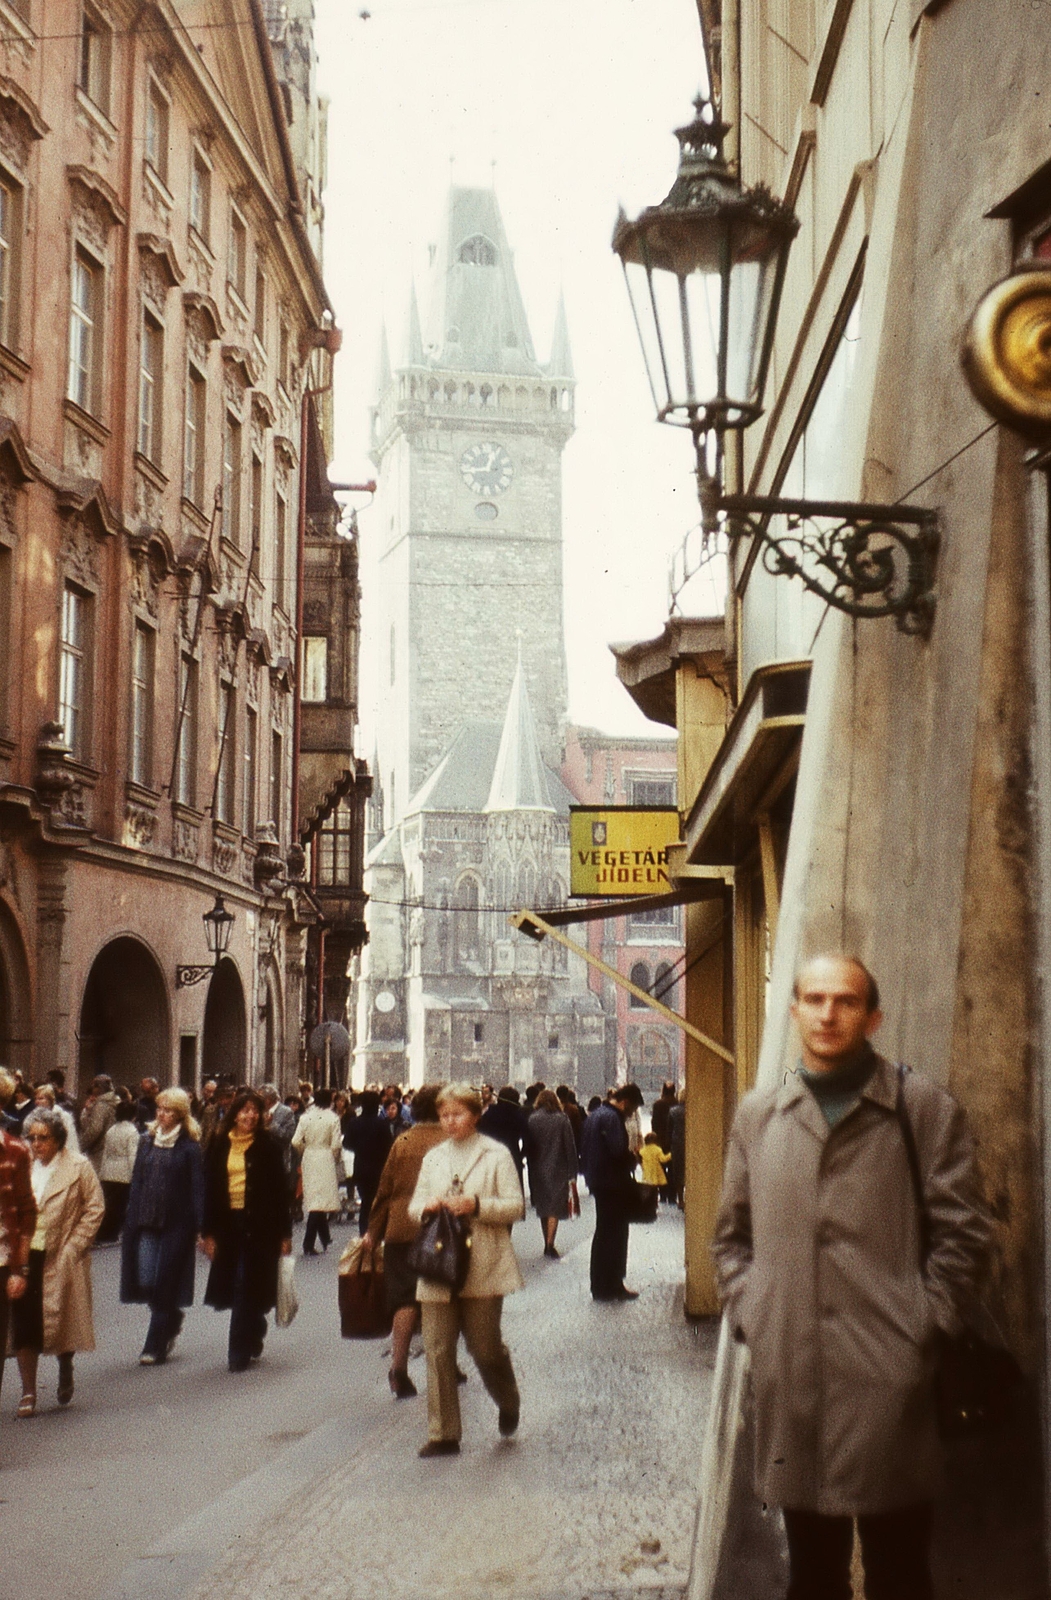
[363, 1310]
[977, 1379]
[642, 1200]
[441, 1251]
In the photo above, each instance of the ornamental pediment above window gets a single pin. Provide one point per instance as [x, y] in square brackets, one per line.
[20, 124]
[96, 205]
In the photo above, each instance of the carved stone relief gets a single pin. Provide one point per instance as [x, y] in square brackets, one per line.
[16, 137]
[80, 552]
[140, 826]
[185, 840]
[154, 280]
[71, 807]
[225, 858]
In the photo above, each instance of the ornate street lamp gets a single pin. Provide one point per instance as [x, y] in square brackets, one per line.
[705, 269]
[218, 923]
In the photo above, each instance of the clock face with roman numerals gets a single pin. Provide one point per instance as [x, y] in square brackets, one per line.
[486, 468]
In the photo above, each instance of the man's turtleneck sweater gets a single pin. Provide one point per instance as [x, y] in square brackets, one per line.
[838, 1092]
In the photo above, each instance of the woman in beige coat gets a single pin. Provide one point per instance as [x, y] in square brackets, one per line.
[54, 1314]
[471, 1176]
[319, 1141]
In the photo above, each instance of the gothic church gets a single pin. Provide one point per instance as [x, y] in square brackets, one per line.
[471, 816]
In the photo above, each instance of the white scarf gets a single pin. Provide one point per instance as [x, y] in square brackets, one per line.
[164, 1141]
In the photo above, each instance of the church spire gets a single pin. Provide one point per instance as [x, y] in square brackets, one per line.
[414, 346]
[561, 363]
[477, 320]
[384, 377]
[519, 778]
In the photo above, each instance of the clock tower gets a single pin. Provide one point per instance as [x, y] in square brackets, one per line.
[468, 435]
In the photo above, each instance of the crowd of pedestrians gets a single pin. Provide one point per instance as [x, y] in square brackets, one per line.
[167, 1174]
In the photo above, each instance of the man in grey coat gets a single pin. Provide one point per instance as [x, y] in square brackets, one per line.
[822, 1273]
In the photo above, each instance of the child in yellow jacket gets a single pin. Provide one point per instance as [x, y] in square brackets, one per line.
[654, 1161]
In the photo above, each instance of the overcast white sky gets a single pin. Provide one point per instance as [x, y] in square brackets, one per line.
[574, 101]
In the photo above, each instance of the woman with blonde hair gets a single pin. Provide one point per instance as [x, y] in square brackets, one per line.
[163, 1220]
[469, 1175]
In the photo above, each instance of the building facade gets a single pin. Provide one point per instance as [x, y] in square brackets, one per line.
[164, 349]
[644, 946]
[869, 789]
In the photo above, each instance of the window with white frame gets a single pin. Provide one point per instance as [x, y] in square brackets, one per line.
[186, 759]
[10, 258]
[259, 311]
[315, 668]
[280, 549]
[201, 197]
[232, 439]
[255, 511]
[237, 256]
[151, 368]
[193, 441]
[224, 785]
[158, 118]
[74, 671]
[277, 757]
[251, 764]
[143, 655]
[85, 331]
[93, 65]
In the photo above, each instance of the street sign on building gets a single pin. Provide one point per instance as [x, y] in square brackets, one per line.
[618, 851]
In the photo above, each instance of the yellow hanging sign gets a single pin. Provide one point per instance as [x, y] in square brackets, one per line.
[619, 851]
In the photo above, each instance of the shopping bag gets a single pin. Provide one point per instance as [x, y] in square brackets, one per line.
[287, 1298]
[363, 1310]
[642, 1201]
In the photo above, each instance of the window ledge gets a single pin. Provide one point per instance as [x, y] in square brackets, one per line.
[194, 512]
[225, 831]
[88, 776]
[86, 422]
[8, 746]
[13, 365]
[142, 795]
[151, 473]
[260, 348]
[157, 183]
[17, 23]
[201, 243]
[232, 549]
[234, 295]
[186, 813]
[96, 115]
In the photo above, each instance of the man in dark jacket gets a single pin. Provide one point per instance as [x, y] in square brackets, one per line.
[607, 1163]
[506, 1121]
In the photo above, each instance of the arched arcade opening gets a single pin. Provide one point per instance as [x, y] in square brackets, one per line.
[124, 1025]
[224, 1052]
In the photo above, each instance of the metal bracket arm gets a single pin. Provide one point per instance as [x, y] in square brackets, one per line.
[185, 977]
[528, 922]
[873, 561]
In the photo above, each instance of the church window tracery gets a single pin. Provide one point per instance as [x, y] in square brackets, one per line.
[478, 251]
[467, 941]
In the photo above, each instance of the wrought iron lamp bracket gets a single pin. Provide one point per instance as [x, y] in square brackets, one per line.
[866, 560]
[186, 977]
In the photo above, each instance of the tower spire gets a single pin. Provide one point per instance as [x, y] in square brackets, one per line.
[519, 779]
[384, 375]
[414, 347]
[561, 363]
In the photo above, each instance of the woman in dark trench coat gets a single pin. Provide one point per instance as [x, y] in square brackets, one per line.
[163, 1219]
[247, 1224]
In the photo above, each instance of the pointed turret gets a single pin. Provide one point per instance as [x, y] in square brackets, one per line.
[414, 342]
[519, 777]
[384, 376]
[561, 363]
[477, 320]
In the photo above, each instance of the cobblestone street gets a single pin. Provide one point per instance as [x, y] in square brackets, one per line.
[302, 1477]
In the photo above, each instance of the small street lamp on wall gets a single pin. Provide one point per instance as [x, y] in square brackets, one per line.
[218, 924]
[705, 271]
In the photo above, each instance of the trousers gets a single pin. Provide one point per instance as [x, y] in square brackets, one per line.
[479, 1322]
[895, 1552]
[609, 1247]
[317, 1228]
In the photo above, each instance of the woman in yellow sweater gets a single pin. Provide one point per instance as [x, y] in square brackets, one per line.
[247, 1224]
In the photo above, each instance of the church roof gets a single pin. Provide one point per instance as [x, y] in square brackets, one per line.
[519, 777]
[463, 779]
[477, 320]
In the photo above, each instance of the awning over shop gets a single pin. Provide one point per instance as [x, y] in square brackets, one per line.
[755, 762]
